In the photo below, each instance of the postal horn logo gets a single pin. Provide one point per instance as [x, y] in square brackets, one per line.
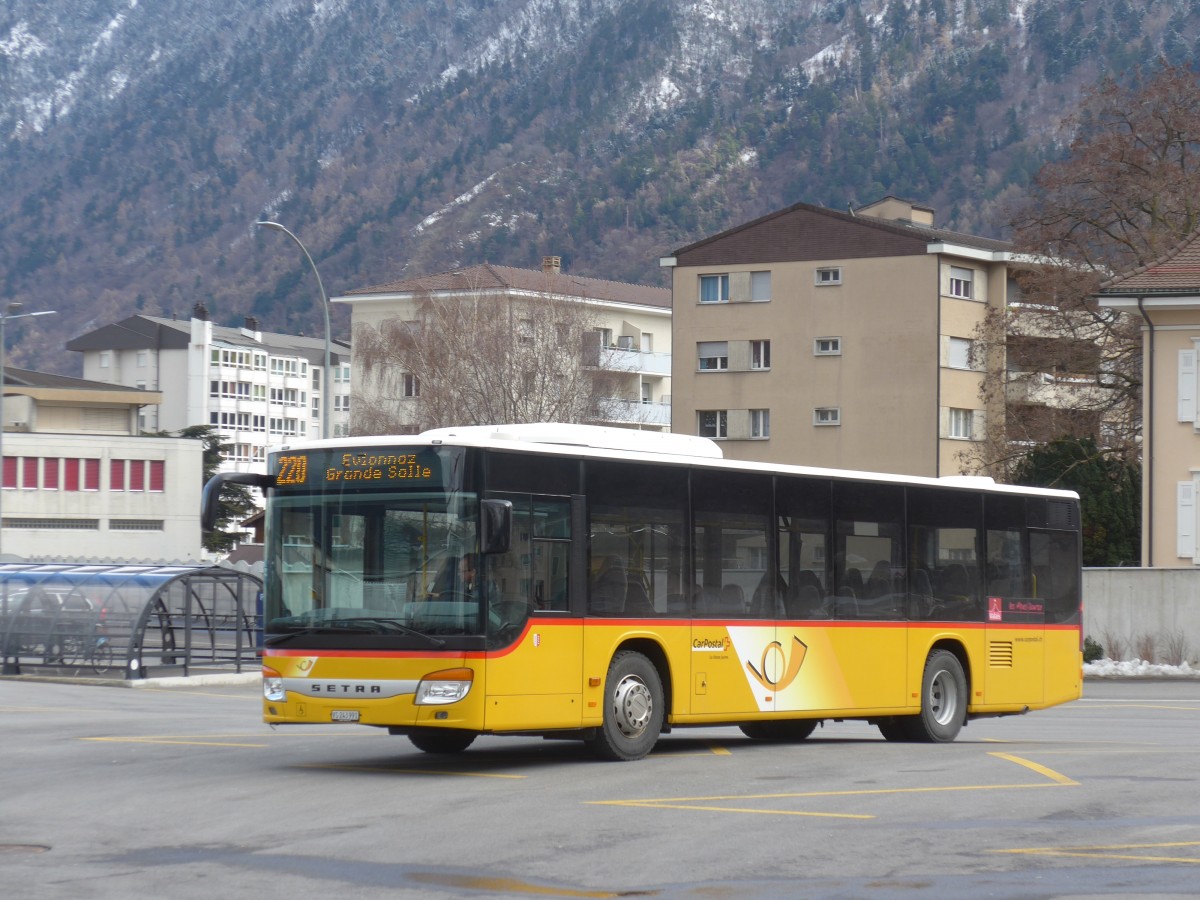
[790, 668]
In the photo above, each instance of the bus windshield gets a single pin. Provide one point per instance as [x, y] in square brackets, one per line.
[384, 563]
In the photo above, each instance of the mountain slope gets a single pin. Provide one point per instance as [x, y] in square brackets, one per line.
[142, 140]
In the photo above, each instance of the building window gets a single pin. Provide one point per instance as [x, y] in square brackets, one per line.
[135, 525]
[341, 404]
[410, 385]
[137, 475]
[647, 342]
[105, 359]
[714, 288]
[827, 415]
[760, 287]
[960, 423]
[713, 355]
[958, 355]
[142, 357]
[712, 423]
[829, 276]
[50, 467]
[827, 346]
[525, 331]
[760, 354]
[606, 337]
[116, 475]
[962, 282]
[760, 424]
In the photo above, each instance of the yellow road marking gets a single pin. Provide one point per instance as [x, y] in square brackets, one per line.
[1104, 852]
[1041, 770]
[152, 740]
[1054, 779]
[388, 771]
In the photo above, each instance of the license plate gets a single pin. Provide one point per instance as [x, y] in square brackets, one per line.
[344, 715]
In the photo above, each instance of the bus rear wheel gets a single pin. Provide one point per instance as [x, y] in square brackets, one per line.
[783, 732]
[943, 700]
[633, 709]
[442, 741]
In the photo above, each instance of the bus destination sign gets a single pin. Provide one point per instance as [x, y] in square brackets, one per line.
[318, 468]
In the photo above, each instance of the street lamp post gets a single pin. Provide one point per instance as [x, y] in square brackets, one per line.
[11, 311]
[327, 387]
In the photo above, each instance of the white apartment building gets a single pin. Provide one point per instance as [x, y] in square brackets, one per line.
[80, 481]
[631, 340]
[258, 389]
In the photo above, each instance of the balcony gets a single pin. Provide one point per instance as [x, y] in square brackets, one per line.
[616, 411]
[617, 359]
[1055, 391]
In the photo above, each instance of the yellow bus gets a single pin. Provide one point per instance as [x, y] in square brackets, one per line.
[611, 585]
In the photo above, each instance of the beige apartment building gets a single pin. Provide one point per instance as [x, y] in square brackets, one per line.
[842, 339]
[627, 337]
[1166, 296]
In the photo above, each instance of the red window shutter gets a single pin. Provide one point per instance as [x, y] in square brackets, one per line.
[116, 475]
[10, 471]
[91, 474]
[158, 475]
[29, 473]
[137, 474]
[50, 473]
[71, 475]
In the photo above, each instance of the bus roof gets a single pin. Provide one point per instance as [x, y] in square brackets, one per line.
[597, 441]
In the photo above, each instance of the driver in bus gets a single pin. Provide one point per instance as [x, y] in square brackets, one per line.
[457, 580]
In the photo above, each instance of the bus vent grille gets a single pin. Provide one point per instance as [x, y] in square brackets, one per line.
[1000, 654]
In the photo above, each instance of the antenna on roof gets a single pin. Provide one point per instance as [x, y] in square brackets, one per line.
[850, 208]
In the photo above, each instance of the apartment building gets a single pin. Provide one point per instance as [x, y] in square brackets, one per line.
[79, 480]
[1165, 295]
[848, 339]
[627, 335]
[257, 388]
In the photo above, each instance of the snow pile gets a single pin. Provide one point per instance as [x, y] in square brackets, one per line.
[1137, 668]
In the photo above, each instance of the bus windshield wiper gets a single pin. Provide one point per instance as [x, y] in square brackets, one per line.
[391, 626]
[362, 625]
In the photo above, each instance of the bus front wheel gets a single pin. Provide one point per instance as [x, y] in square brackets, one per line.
[444, 741]
[633, 709]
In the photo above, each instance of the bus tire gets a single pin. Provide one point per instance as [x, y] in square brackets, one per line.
[445, 741]
[782, 732]
[633, 709]
[943, 700]
[895, 728]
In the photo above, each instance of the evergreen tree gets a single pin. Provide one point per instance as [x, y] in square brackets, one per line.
[1110, 495]
[236, 501]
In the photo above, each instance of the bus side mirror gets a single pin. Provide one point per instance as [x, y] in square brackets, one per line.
[210, 500]
[495, 526]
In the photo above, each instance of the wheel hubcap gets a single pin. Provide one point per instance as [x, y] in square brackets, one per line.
[633, 706]
[943, 701]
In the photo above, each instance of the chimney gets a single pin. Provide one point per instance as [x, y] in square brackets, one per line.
[252, 323]
[551, 265]
[200, 311]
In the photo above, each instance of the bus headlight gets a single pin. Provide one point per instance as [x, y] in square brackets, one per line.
[273, 685]
[440, 688]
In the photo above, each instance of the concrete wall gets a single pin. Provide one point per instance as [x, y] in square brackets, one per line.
[1139, 612]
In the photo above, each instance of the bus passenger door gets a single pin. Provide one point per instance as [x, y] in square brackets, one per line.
[534, 673]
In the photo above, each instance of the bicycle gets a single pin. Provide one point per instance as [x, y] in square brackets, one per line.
[93, 651]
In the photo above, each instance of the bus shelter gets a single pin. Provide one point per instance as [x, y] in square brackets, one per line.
[127, 619]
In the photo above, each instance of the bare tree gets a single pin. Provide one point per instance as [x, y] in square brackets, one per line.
[1125, 193]
[481, 357]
